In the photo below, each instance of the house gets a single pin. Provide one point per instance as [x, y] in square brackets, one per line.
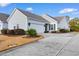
[26, 20]
[52, 25]
[3, 21]
[57, 23]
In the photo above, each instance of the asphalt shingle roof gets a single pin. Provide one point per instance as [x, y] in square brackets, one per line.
[29, 14]
[58, 19]
[3, 17]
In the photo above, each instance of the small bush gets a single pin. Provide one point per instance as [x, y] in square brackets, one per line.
[46, 31]
[15, 32]
[75, 28]
[64, 30]
[53, 31]
[19, 32]
[11, 32]
[31, 32]
[71, 30]
[4, 31]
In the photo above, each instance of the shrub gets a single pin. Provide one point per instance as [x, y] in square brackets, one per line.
[53, 31]
[11, 32]
[74, 24]
[16, 32]
[71, 30]
[19, 32]
[64, 30]
[4, 31]
[74, 28]
[46, 31]
[31, 32]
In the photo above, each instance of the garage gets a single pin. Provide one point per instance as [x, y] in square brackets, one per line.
[39, 26]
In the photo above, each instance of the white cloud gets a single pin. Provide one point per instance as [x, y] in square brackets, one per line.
[67, 10]
[4, 4]
[29, 9]
[76, 12]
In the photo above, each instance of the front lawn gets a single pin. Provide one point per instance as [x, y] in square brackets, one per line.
[7, 42]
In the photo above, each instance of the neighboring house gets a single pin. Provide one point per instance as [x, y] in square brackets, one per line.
[56, 23]
[63, 22]
[3, 21]
[25, 20]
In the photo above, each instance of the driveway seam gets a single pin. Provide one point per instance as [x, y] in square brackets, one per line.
[64, 46]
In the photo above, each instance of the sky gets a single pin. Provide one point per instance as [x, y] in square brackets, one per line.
[53, 9]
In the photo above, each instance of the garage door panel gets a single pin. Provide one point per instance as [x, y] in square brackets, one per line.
[39, 27]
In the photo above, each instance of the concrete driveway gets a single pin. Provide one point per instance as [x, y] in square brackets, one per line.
[54, 44]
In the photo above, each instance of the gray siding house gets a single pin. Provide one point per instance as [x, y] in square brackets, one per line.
[3, 21]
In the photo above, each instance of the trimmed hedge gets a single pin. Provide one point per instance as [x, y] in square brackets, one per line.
[19, 32]
[46, 31]
[64, 30]
[53, 31]
[11, 32]
[14, 32]
[4, 31]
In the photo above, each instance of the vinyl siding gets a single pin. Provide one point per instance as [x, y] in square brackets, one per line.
[39, 26]
[63, 24]
[17, 18]
[51, 21]
[1, 25]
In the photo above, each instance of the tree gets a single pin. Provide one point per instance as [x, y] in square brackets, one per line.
[74, 24]
[68, 17]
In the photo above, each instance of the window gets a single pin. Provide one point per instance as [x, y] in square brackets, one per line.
[51, 27]
[28, 24]
[54, 26]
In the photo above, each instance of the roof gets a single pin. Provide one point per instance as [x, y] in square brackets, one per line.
[49, 18]
[3, 17]
[29, 14]
[58, 19]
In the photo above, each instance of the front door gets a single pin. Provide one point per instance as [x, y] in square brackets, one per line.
[46, 28]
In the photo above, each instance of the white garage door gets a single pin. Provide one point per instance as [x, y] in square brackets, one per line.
[39, 27]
